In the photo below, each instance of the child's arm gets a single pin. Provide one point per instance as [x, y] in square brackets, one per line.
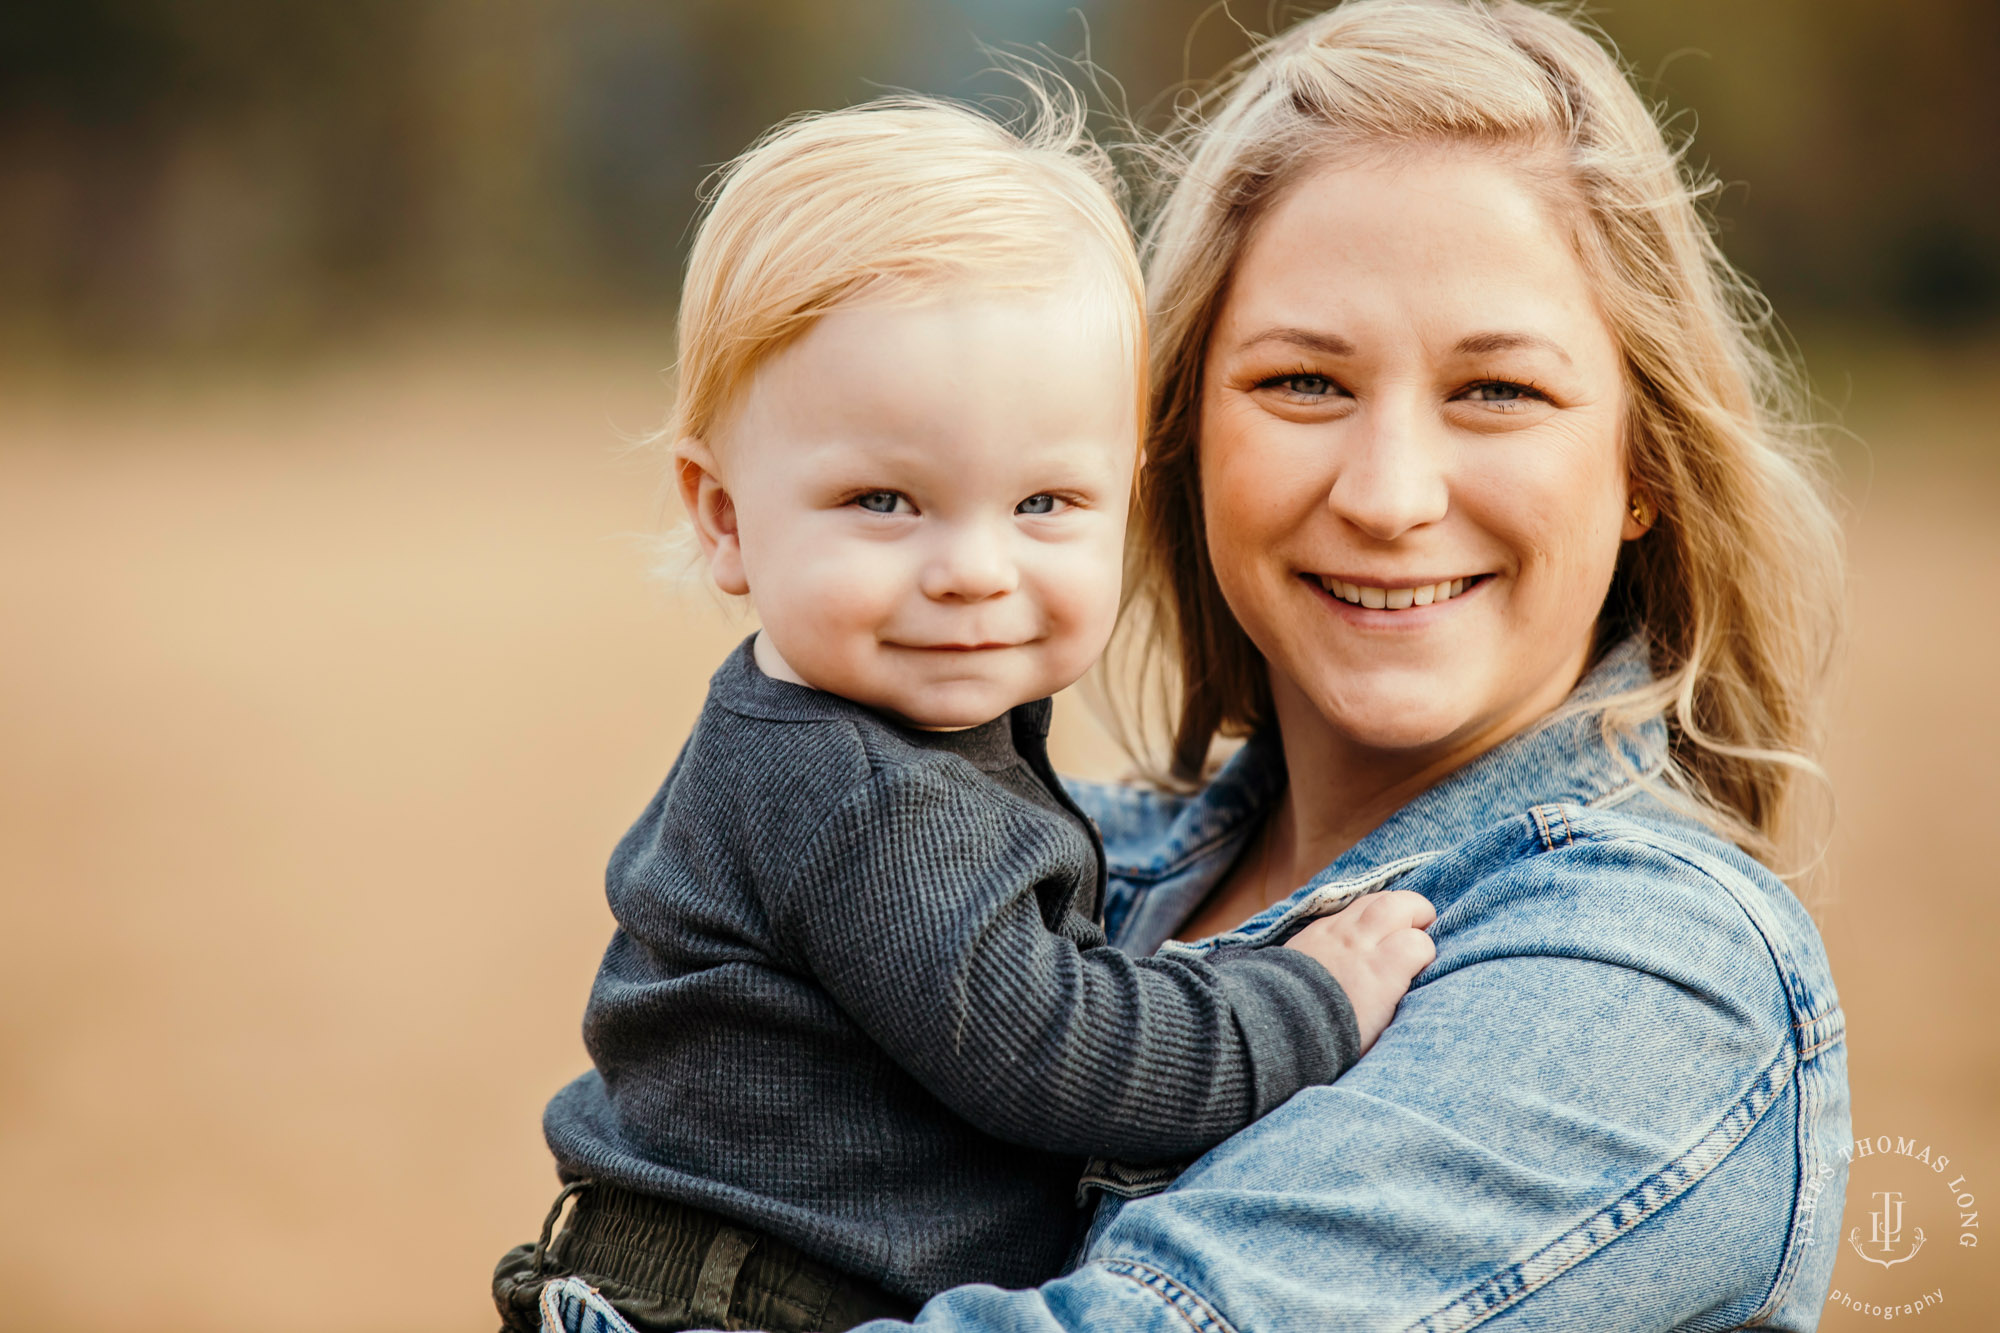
[931, 938]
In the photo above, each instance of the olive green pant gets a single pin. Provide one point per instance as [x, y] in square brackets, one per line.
[668, 1267]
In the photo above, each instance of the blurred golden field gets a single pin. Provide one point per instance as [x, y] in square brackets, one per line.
[326, 686]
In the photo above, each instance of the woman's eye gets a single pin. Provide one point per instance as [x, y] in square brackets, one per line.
[1502, 391]
[1306, 386]
[1038, 504]
[884, 502]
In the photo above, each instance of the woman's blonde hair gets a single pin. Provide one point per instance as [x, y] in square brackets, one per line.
[898, 199]
[1737, 588]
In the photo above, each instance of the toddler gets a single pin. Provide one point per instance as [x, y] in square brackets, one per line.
[859, 1027]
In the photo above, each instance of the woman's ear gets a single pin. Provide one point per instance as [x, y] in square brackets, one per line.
[711, 513]
[1640, 515]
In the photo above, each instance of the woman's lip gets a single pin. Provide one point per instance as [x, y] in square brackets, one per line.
[1397, 581]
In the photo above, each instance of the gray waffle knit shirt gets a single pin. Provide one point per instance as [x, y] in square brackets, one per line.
[858, 998]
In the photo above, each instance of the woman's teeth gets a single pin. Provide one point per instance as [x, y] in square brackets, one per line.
[1394, 599]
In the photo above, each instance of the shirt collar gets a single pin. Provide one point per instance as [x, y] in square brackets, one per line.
[740, 686]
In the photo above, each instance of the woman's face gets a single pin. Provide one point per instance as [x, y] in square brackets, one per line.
[1411, 464]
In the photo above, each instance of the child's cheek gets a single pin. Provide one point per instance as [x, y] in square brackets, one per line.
[853, 587]
[1079, 597]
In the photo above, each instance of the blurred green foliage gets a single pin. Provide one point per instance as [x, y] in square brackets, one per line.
[178, 172]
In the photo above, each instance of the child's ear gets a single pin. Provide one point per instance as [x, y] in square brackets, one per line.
[711, 513]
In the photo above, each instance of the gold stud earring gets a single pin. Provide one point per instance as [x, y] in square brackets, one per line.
[1641, 511]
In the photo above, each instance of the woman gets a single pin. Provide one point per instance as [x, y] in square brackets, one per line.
[1472, 504]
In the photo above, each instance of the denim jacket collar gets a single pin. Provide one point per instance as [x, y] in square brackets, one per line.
[1564, 760]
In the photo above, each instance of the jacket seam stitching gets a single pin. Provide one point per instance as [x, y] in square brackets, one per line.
[1791, 1258]
[1551, 837]
[1707, 867]
[1768, 931]
[1197, 1313]
[1812, 1100]
[1521, 1280]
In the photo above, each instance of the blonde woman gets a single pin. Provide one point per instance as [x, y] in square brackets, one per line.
[1473, 504]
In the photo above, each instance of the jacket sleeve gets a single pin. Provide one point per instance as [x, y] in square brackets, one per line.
[915, 906]
[1592, 1112]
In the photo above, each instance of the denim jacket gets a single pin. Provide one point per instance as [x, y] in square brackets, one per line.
[1614, 1101]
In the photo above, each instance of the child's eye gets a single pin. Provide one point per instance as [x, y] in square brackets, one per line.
[885, 502]
[1038, 504]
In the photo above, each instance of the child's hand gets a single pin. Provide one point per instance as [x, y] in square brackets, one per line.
[1373, 948]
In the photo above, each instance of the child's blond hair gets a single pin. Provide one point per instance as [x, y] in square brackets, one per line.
[899, 199]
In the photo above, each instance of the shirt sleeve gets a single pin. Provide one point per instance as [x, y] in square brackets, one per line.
[915, 906]
[1592, 1112]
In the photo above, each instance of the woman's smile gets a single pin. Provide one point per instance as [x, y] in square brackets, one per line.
[1393, 594]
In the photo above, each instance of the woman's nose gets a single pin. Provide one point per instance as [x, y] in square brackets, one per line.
[1390, 474]
[971, 564]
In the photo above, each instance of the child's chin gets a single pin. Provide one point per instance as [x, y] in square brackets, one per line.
[952, 721]
[958, 709]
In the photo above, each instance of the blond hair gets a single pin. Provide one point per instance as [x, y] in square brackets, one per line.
[898, 199]
[1737, 588]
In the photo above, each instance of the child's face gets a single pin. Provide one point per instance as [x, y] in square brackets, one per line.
[927, 504]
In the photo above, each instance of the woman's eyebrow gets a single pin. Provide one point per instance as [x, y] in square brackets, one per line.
[1474, 344]
[1332, 344]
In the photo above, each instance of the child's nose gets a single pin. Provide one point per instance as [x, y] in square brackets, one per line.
[970, 566]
